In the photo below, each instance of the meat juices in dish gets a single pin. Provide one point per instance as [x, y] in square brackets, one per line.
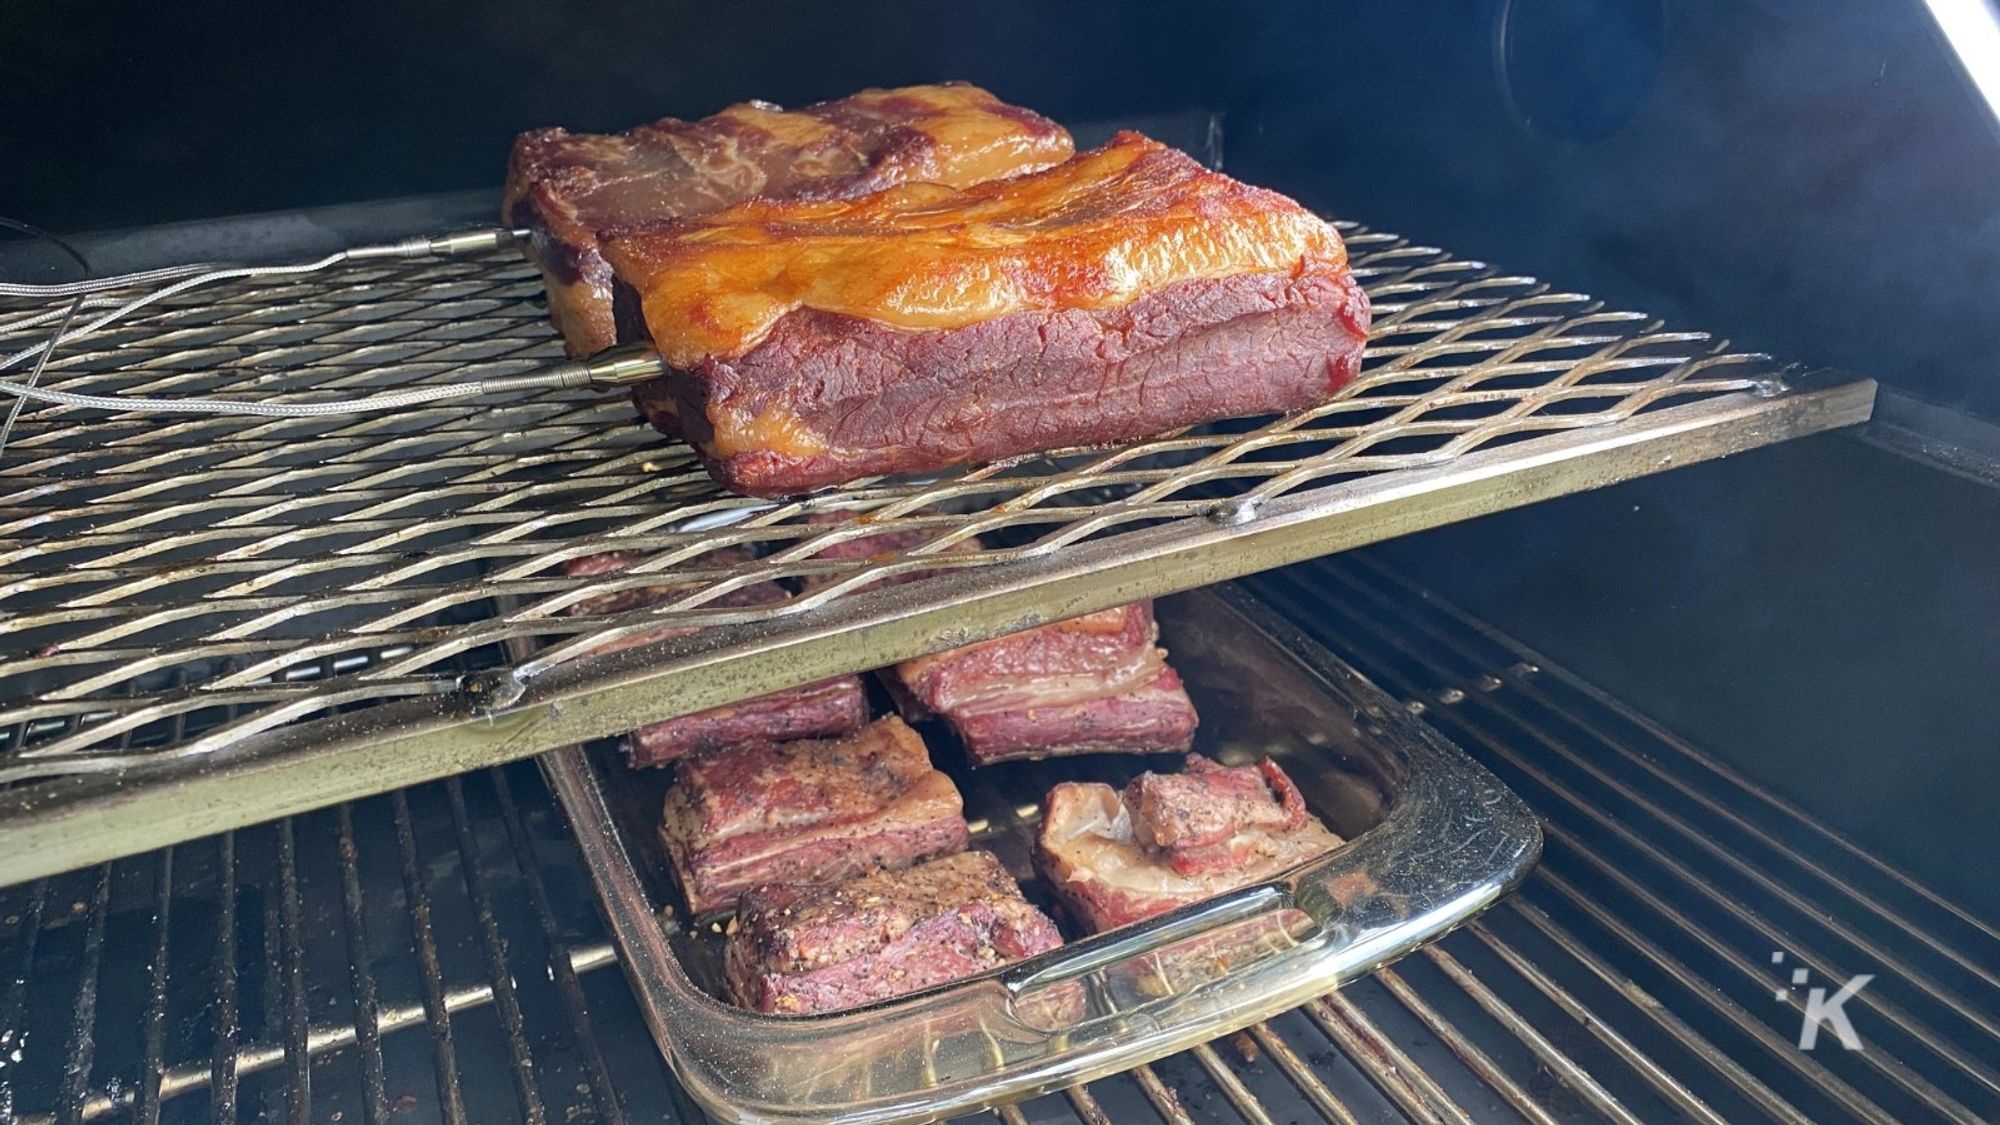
[1171, 839]
[814, 710]
[1125, 293]
[799, 949]
[1093, 684]
[812, 811]
[569, 188]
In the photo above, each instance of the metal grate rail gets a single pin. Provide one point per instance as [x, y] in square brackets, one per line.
[361, 963]
[188, 601]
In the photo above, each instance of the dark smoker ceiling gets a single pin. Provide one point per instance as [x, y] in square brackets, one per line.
[1812, 178]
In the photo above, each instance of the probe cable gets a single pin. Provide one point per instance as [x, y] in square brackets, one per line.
[612, 368]
[68, 315]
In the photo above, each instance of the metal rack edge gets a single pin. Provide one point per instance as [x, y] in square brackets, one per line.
[75, 822]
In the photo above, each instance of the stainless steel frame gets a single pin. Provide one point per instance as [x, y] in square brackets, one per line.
[1432, 841]
[218, 621]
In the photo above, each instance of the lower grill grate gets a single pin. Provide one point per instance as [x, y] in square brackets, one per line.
[434, 954]
[1676, 901]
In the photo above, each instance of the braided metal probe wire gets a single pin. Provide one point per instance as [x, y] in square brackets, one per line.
[617, 368]
[88, 285]
[67, 315]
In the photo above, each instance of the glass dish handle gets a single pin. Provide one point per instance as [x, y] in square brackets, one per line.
[1453, 839]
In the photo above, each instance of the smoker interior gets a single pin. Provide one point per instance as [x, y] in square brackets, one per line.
[435, 954]
[1753, 699]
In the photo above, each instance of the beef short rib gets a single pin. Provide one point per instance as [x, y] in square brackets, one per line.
[828, 707]
[1092, 684]
[1172, 839]
[815, 710]
[811, 811]
[799, 949]
[1123, 294]
[568, 188]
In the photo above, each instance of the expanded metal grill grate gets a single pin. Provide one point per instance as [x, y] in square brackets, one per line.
[173, 587]
[433, 955]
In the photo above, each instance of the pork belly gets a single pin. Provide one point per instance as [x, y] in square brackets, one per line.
[827, 707]
[1125, 293]
[568, 188]
[799, 949]
[1093, 684]
[810, 811]
[1172, 839]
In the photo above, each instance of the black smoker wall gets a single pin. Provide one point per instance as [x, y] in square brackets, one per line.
[1814, 177]
[114, 115]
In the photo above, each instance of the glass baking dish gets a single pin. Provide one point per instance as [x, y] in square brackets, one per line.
[1432, 840]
